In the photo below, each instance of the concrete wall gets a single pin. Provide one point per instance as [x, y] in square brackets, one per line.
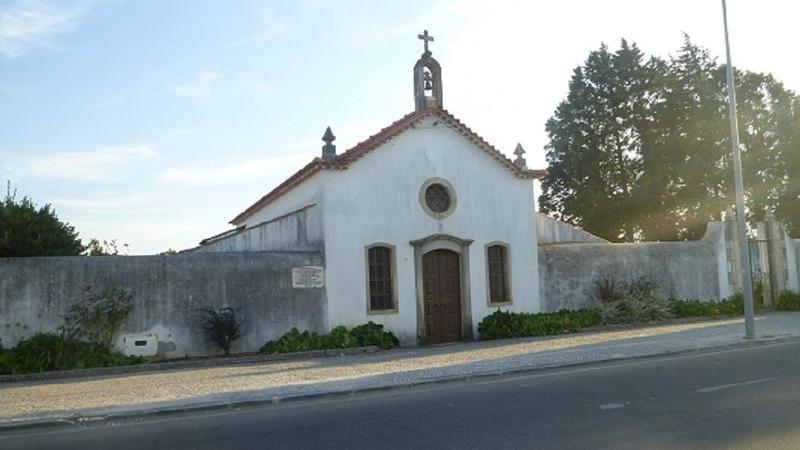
[377, 200]
[552, 231]
[300, 230]
[167, 291]
[690, 270]
[796, 279]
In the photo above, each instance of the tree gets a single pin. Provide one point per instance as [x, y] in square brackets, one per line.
[26, 230]
[104, 248]
[641, 150]
[596, 142]
[692, 132]
[787, 208]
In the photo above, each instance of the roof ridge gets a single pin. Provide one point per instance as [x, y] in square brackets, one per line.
[354, 153]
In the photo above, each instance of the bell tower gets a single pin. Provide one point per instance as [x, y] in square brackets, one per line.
[427, 79]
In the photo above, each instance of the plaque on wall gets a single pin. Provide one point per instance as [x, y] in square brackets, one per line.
[308, 277]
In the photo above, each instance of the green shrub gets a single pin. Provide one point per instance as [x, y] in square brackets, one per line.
[341, 337]
[732, 306]
[294, 341]
[46, 351]
[373, 334]
[370, 334]
[5, 365]
[788, 301]
[502, 324]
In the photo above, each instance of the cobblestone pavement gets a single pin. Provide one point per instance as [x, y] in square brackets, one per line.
[277, 379]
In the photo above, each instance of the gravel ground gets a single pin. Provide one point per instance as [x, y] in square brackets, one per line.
[266, 380]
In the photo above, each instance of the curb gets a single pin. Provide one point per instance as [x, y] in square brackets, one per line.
[257, 357]
[88, 419]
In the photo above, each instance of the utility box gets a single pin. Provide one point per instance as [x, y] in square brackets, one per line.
[140, 344]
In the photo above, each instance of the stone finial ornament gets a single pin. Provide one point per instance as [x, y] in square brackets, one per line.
[328, 150]
[520, 160]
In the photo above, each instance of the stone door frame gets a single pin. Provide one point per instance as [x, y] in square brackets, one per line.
[459, 246]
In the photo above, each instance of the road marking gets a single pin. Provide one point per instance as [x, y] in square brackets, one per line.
[547, 372]
[609, 406]
[732, 385]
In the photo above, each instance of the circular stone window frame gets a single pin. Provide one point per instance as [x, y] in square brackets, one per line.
[451, 192]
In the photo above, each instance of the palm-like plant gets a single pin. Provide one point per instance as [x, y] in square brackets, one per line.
[221, 327]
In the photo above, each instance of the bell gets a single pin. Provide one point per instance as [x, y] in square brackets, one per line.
[428, 85]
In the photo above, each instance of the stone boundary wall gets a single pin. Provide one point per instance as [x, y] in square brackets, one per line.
[552, 231]
[796, 280]
[689, 270]
[167, 291]
[297, 230]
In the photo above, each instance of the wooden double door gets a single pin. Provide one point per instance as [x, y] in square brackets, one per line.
[441, 278]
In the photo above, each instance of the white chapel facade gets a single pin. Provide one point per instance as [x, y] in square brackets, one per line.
[425, 227]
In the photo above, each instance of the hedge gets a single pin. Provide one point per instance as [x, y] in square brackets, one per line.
[369, 334]
[47, 351]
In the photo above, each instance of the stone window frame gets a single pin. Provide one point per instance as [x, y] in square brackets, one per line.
[393, 272]
[507, 274]
[451, 192]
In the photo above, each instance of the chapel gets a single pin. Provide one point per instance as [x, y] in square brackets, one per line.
[424, 227]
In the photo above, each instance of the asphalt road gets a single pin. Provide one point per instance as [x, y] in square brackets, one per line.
[744, 399]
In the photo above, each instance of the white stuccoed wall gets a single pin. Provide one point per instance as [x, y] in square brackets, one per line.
[377, 200]
[302, 195]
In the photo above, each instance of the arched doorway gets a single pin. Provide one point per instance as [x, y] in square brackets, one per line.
[441, 281]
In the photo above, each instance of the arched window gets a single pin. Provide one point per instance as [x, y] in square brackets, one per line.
[380, 279]
[497, 274]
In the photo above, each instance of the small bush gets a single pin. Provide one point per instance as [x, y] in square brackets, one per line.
[732, 306]
[628, 301]
[295, 341]
[369, 334]
[788, 301]
[501, 325]
[5, 365]
[339, 337]
[373, 334]
[46, 351]
[221, 327]
[608, 290]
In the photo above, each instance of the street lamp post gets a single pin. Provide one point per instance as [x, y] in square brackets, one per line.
[747, 281]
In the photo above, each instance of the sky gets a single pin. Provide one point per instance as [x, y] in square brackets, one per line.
[156, 122]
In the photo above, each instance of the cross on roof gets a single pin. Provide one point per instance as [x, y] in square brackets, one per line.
[426, 38]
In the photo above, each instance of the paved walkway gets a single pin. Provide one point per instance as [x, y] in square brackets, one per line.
[24, 402]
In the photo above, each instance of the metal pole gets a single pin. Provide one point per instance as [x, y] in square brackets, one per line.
[747, 281]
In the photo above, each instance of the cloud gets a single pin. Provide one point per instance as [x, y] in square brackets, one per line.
[271, 26]
[25, 24]
[88, 165]
[199, 88]
[258, 87]
[267, 33]
[106, 204]
[193, 176]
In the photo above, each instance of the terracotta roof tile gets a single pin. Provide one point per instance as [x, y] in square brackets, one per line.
[375, 141]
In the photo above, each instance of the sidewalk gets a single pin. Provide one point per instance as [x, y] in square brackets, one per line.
[101, 397]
